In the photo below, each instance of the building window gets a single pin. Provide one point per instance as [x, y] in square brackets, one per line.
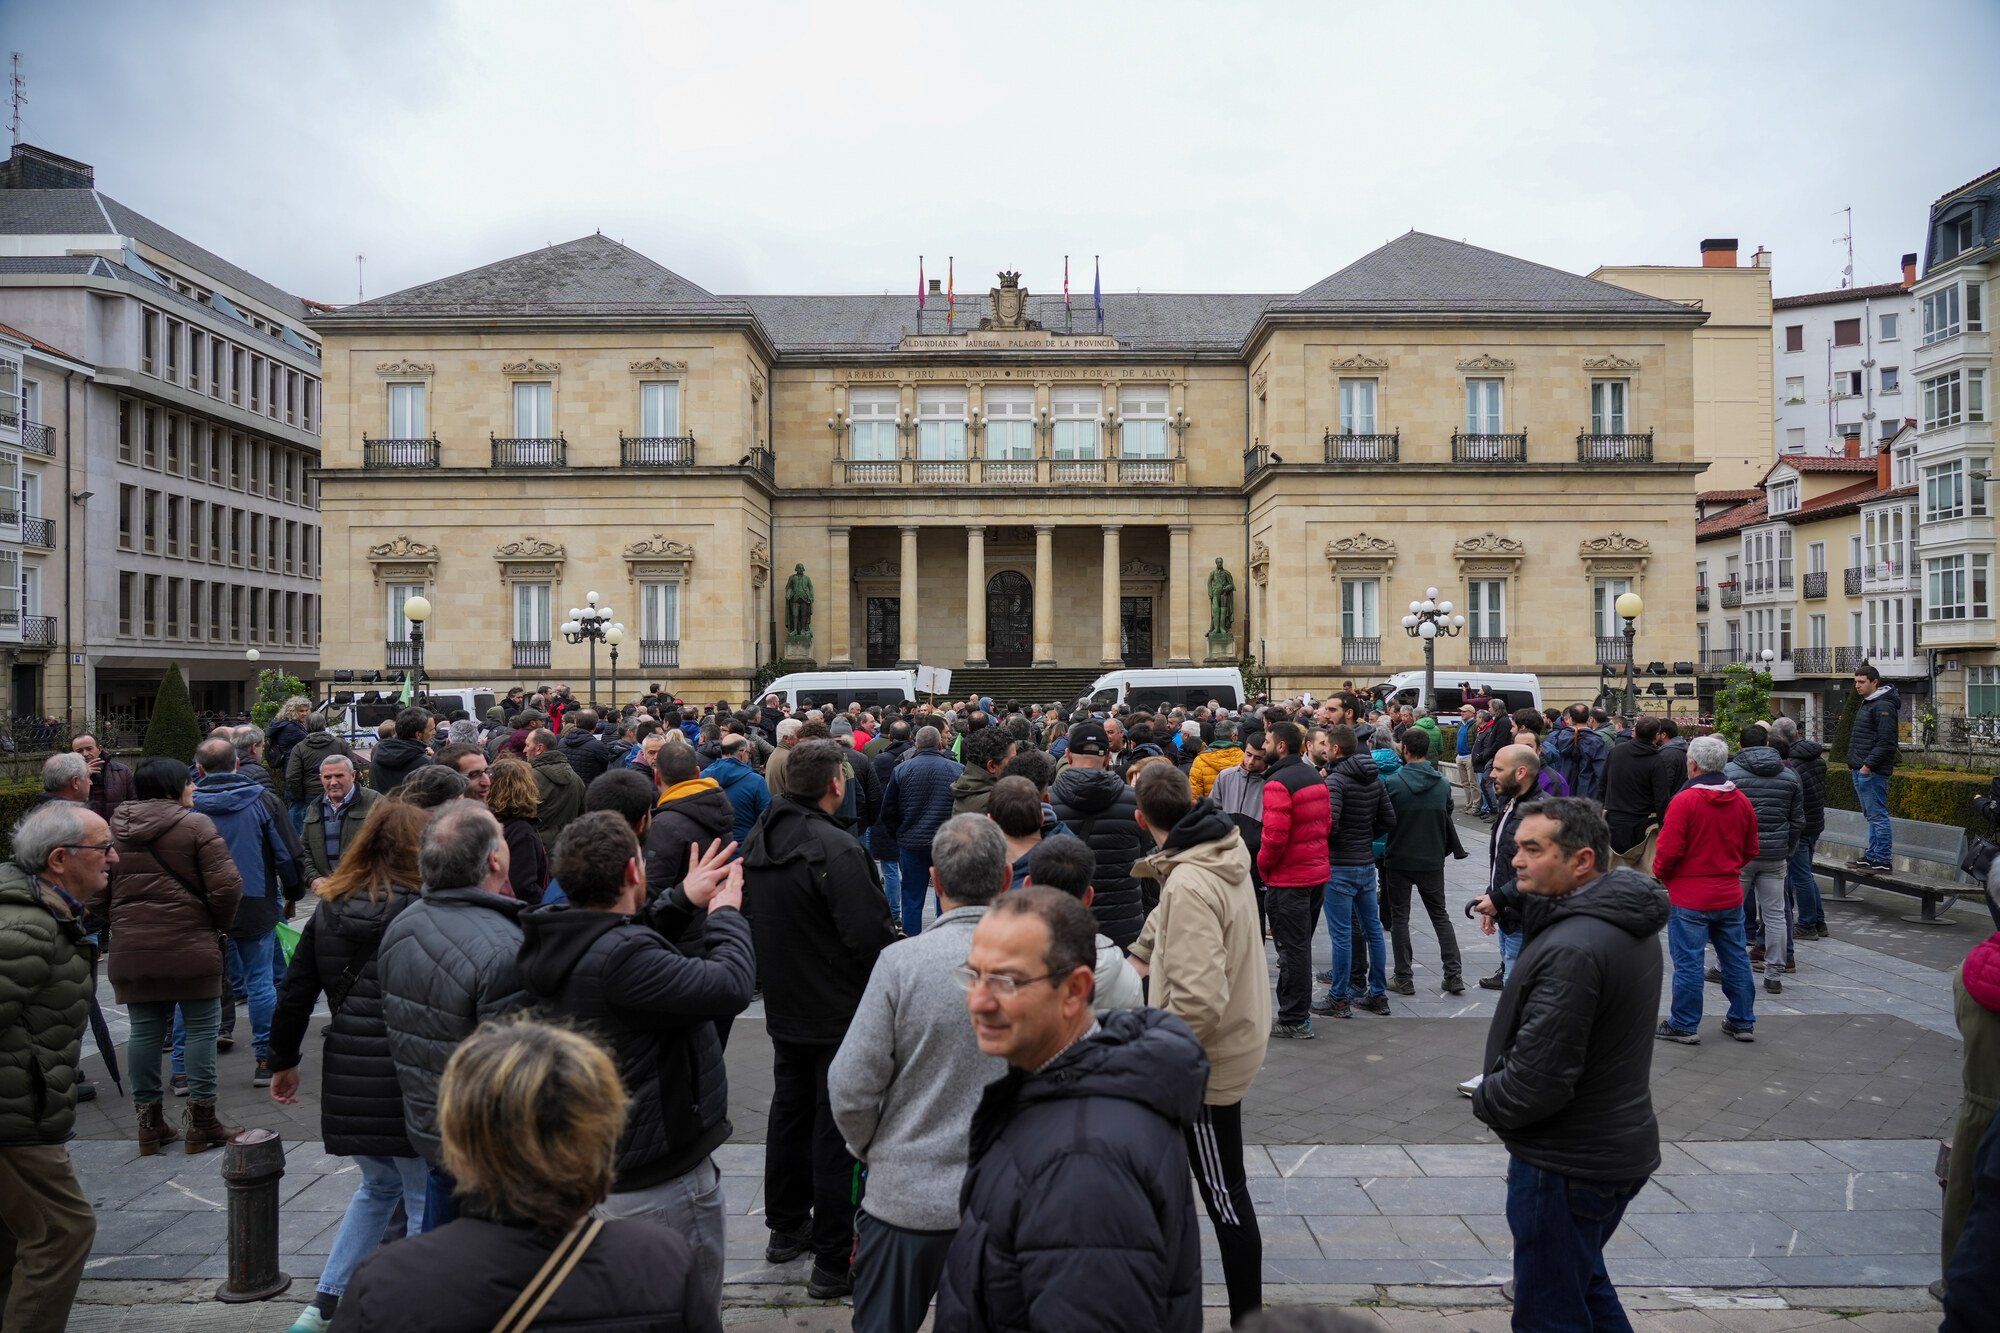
[1816, 557]
[1847, 333]
[1076, 410]
[534, 410]
[1357, 406]
[172, 348]
[1952, 310]
[660, 409]
[1483, 403]
[399, 624]
[941, 423]
[871, 416]
[151, 605]
[1892, 380]
[1486, 608]
[1604, 606]
[1795, 337]
[1144, 421]
[1816, 632]
[149, 442]
[1795, 439]
[1783, 495]
[1360, 609]
[1944, 491]
[1956, 587]
[1890, 543]
[236, 378]
[1889, 333]
[1903, 466]
[1847, 384]
[531, 612]
[1955, 397]
[1795, 388]
[1607, 407]
[173, 525]
[256, 387]
[1010, 423]
[1982, 691]
[128, 503]
[124, 602]
[659, 613]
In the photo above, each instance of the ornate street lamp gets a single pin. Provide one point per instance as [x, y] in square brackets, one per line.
[1428, 620]
[417, 610]
[590, 624]
[614, 636]
[1629, 608]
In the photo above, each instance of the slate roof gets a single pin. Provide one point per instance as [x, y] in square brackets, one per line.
[1421, 273]
[592, 274]
[92, 212]
[1141, 321]
[1839, 294]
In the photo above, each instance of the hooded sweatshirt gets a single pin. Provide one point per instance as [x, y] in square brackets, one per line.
[972, 791]
[1421, 798]
[267, 859]
[749, 796]
[1709, 833]
[1205, 950]
[392, 761]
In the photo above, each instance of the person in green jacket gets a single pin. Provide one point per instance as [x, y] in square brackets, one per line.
[62, 856]
[1413, 857]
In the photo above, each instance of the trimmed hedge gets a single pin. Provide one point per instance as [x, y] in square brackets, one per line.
[1931, 795]
[173, 732]
[15, 798]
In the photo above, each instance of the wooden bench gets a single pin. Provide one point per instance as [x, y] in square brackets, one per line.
[1926, 857]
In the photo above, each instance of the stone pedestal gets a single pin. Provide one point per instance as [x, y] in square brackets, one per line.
[1221, 646]
[799, 649]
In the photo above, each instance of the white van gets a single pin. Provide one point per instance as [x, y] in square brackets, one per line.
[810, 689]
[361, 712]
[1185, 687]
[1519, 690]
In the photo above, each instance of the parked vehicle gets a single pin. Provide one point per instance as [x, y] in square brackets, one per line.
[1520, 690]
[1166, 688]
[361, 712]
[809, 689]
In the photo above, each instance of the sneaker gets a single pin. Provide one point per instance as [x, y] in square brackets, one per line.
[180, 1083]
[1497, 981]
[1734, 1033]
[786, 1246]
[1293, 1031]
[1377, 1004]
[1333, 1008]
[1357, 993]
[1715, 975]
[822, 1285]
[1471, 1085]
[1324, 978]
[1403, 985]
[1774, 986]
[311, 1320]
[262, 1078]
[86, 1091]
[1668, 1032]
[1816, 932]
[223, 1041]
[1454, 985]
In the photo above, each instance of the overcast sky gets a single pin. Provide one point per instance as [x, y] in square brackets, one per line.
[1196, 147]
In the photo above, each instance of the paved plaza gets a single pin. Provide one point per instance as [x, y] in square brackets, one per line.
[1798, 1172]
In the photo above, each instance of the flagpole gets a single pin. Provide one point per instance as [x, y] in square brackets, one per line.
[920, 293]
[1067, 320]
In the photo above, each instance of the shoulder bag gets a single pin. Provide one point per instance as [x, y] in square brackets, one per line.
[548, 1279]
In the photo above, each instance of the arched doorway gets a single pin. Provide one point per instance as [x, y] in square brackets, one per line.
[1010, 619]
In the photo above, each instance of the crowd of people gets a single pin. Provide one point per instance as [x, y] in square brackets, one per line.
[1012, 963]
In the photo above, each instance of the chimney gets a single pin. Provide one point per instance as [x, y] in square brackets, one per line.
[1719, 252]
[1852, 445]
[937, 286]
[1762, 259]
[32, 168]
[1909, 271]
[1883, 469]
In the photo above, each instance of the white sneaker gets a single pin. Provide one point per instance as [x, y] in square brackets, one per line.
[310, 1320]
[1471, 1085]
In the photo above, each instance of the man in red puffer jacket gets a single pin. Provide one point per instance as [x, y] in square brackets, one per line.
[1709, 833]
[1298, 817]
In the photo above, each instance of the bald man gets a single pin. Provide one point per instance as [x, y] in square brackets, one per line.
[1516, 774]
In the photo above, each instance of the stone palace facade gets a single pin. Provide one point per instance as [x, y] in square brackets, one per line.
[1008, 485]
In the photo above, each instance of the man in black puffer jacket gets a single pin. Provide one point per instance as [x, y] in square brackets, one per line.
[1100, 807]
[1569, 1059]
[393, 760]
[653, 1007]
[1807, 758]
[1077, 1210]
[588, 755]
[1778, 797]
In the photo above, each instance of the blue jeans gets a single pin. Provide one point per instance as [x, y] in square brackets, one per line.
[1510, 950]
[915, 871]
[254, 960]
[439, 1206]
[1688, 933]
[1348, 889]
[384, 1182]
[297, 810]
[1873, 789]
[1560, 1225]
[892, 885]
[1805, 889]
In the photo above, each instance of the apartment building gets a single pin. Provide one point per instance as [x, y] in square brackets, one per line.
[184, 406]
[1843, 361]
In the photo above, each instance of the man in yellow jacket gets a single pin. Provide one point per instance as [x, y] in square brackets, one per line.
[1220, 756]
[1204, 953]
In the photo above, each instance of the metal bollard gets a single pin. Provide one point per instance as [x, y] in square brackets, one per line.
[252, 1164]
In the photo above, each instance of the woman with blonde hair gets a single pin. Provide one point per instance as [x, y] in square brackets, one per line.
[531, 1116]
[514, 800]
[288, 728]
[361, 1105]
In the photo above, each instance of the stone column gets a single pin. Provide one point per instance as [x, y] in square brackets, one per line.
[975, 597]
[907, 608]
[1111, 656]
[1181, 585]
[839, 652]
[1045, 602]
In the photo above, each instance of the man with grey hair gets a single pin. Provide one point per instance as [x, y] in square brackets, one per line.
[908, 1077]
[1708, 836]
[62, 856]
[65, 777]
[447, 964]
[916, 801]
[774, 763]
[334, 817]
[249, 742]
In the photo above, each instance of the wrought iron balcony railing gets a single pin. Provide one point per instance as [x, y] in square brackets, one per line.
[1472, 448]
[1849, 659]
[1812, 661]
[1732, 594]
[38, 438]
[531, 653]
[1850, 581]
[531, 451]
[1815, 585]
[1356, 448]
[656, 450]
[38, 532]
[1361, 652]
[382, 455]
[659, 652]
[1701, 599]
[1614, 448]
[1489, 652]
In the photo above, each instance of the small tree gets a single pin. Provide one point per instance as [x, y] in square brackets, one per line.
[1743, 697]
[173, 731]
[1843, 730]
[273, 688]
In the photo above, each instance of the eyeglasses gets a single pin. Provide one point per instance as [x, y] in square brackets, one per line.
[999, 983]
[104, 846]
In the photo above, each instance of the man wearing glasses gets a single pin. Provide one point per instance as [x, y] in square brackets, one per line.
[62, 856]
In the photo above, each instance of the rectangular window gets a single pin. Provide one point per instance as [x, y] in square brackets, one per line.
[291, 398]
[1795, 337]
[217, 349]
[125, 582]
[216, 518]
[1816, 557]
[534, 410]
[256, 383]
[941, 422]
[1847, 384]
[1010, 423]
[1816, 631]
[236, 551]
[272, 398]
[1953, 398]
[1607, 407]
[1982, 691]
[1360, 609]
[1795, 439]
[1847, 333]
[1076, 411]
[659, 612]
[1483, 403]
[174, 525]
[1940, 315]
[1486, 608]
[1144, 424]
[236, 378]
[406, 412]
[197, 357]
[149, 342]
[1944, 491]
[1604, 606]
[1783, 496]
[128, 423]
[531, 612]
[197, 528]
[1357, 406]
[152, 605]
[149, 442]
[660, 409]
[398, 625]
[1892, 381]
[236, 614]
[1957, 587]
[1889, 333]
[871, 416]
[1795, 388]
[128, 504]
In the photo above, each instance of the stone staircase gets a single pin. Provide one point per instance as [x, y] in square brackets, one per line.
[1024, 685]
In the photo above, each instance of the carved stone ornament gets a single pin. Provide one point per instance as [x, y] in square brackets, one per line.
[404, 561]
[403, 548]
[659, 365]
[1258, 380]
[879, 569]
[760, 564]
[1486, 361]
[1614, 545]
[530, 548]
[1142, 569]
[1361, 544]
[406, 369]
[659, 547]
[756, 385]
[1260, 561]
[1611, 362]
[532, 367]
[1489, 545]
[1359, 362]
[1010, 306]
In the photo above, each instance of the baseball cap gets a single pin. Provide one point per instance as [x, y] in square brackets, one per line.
[1089, 738]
